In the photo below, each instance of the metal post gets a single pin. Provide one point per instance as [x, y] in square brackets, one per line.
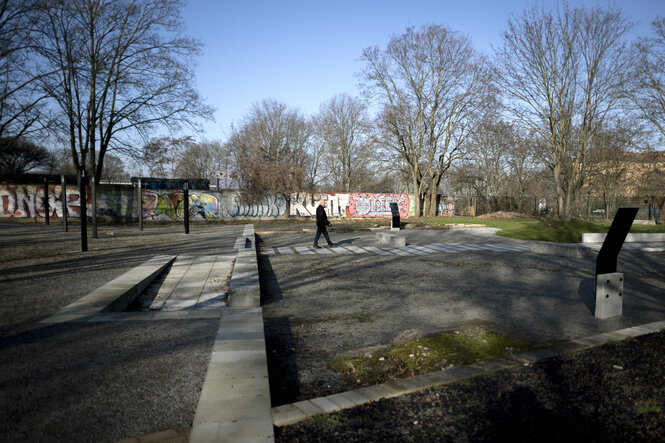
[63, 199]
[46, 206]
[83, 197]
[93, 191]
[140, 203]
[606, 262]
[186, 203]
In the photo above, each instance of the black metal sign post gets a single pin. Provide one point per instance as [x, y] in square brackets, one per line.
[394, 209]
[63, 198]
[93, 192]
[84, 211]
[46, 206]
[140, 204]
[185, 189]
[609, 282]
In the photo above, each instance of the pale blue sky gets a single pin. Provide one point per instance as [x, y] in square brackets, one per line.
[302, 53]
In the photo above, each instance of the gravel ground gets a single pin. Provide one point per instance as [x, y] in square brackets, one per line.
[611, 393]
[97, 382]
[318, 306]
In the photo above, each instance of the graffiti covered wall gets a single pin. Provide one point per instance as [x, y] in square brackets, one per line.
[119, 202]
[377, 205]
[209, 205]
[27, 201]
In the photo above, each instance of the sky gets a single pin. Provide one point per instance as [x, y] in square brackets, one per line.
[302, 53]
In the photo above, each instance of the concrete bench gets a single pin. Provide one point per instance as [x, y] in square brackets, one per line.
[596, 237]
[388, 239]
[115, 295]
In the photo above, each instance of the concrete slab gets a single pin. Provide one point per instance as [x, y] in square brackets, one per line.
[117, 294]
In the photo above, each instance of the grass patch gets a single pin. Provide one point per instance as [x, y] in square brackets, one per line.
[323, 420]
[426, 355]
[649, 406]
[541, 229]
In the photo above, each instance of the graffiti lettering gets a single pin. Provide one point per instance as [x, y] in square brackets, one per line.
[377, 205]
[169, 206]
[269, 206]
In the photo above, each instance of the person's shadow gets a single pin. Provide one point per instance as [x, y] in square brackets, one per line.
[346, 241]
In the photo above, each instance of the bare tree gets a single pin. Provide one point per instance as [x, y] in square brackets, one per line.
[561, 72]
[489, 148]
[608, 162]
[21, 155]
[19, 110]
[647, 88]
[432, 85]
[270, 150]
[123, 68]
[342, 127]
[199, 160]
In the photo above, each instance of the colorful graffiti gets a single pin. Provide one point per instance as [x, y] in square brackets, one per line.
[270, 205]
[28, 201]
[170, 205]
[377, 205]
[446, 208]
[119, 202]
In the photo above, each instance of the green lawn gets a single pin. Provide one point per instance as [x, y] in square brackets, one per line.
[539, 229]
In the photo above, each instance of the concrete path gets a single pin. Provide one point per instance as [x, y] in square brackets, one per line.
[409, 250]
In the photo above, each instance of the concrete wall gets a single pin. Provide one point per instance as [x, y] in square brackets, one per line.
[119, 202]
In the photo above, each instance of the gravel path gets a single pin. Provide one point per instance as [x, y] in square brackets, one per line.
[97, 382]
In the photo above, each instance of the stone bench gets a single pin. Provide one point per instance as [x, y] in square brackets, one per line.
[115, 295]
[388, 239]
[597, 237]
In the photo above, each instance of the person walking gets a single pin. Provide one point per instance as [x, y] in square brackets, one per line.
[321, 224]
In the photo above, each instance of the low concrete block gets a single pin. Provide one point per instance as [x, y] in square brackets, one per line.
[609, 295]
[391, 240]
[595, 237]
[570, 250]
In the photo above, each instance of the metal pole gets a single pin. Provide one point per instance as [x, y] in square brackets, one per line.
[83, 197]
[140, 203]
[63, 198]
[93, 191]
[46, 207]
[186, 202]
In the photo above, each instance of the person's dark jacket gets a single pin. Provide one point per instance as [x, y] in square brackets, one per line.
[321, 217]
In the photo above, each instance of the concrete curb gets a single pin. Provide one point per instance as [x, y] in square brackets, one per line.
[244, 288]
[597, 237]
[296, 412]
[234, 405]
[115, 295]
[570, 250]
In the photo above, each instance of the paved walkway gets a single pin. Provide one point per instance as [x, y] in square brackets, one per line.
[410, 250]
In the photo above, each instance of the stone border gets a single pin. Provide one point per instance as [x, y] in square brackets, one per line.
[597, 237]
[234, 404]
[114, 296]
[295, 412]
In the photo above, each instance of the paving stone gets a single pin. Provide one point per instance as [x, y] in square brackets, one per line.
[287, 415]
[341, 400]
[308, 408]
[325, 404]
